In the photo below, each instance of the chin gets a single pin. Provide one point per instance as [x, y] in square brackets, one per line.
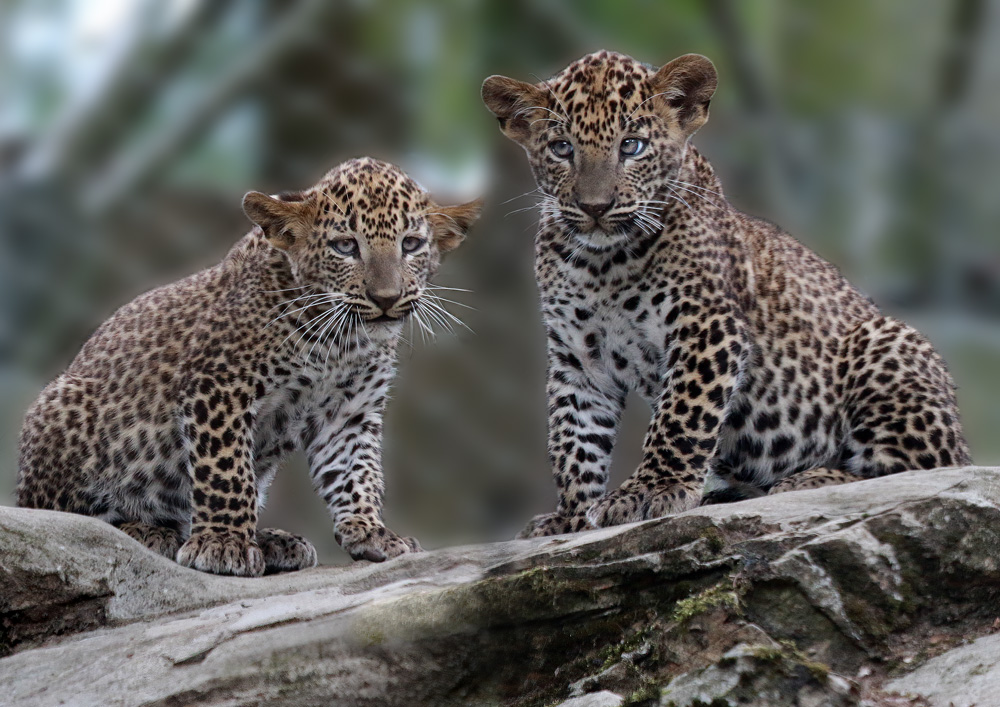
[600, 241]
[384, 328]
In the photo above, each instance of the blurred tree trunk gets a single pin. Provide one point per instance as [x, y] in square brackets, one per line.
[937, 211]
[88, 132]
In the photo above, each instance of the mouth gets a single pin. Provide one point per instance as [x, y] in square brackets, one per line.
[600, 238]
[383, 318]
[600, 235]
[600, 242]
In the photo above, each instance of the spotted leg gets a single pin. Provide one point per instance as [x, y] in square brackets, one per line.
[583, 417]
[704, 362]
[217, 426]
[900, 400]
[345, 461]
[813, 479]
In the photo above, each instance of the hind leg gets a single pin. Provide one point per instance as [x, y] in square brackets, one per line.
[900, 401]
[735, 490]
[813, 479]
[161, 540]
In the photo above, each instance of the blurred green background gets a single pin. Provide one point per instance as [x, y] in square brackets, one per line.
[130, 130]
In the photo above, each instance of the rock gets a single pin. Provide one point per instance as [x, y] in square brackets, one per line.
[784, 593]
[968, 676]
[594, 699]
[762, 675]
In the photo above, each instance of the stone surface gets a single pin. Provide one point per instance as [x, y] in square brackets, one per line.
[594, 699]
[786, 593]
[765, 675]
[967, 676]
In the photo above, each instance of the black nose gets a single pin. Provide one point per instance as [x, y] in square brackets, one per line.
[595, 211]
[384, 300]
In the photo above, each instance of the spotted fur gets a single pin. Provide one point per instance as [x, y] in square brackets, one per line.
[765, 368]
[173, 419]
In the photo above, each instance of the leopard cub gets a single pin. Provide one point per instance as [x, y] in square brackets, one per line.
[766, 370]
[174, 417]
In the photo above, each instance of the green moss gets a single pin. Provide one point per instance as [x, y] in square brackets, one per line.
[716, 543]
[716, 702]
[613, 654]
[644, 694]
[768, 654]
[721, 594]
[789, 656]
[372, 638]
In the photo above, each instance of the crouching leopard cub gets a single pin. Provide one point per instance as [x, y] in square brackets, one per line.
[173, 419]
[765, 368]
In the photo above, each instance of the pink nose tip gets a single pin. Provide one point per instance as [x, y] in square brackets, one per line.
[383, 300]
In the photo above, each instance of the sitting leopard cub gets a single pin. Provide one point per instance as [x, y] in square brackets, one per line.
[765, 368]
[173, 419]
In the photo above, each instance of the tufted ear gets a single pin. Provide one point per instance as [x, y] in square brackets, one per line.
[283, 218]
[449, 224]
[511, 101]
[687, 84]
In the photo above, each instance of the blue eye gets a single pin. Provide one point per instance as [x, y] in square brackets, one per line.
[346, 246]
[561, 148]
[413, 243]
[632, 146]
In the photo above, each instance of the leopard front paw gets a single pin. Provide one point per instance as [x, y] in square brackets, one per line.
[366, 539]
[284, 551]
[635, 502]
[548, 524]
[222, 552]
[161, 540]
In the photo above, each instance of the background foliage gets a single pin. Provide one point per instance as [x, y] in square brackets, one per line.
[130, 130]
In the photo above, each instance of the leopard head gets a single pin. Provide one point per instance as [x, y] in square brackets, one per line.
[366, 235]
[605, 137]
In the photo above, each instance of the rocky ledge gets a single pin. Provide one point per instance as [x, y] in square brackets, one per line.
[882, 592]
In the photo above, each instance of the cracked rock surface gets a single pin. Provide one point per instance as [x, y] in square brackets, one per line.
[883, 592]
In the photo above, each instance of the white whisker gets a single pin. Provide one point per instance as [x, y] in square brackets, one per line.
[438, 298]
[697, 194]
[290, 289]
[327, 299]
[338, 330]
[553, 94]
[664, 93]
[562, 118]
[522, 209]
[307, 326]
[695, 186]
[297, 299]
[303, 328]
[519, 196]
[330, 316]
[449, 315]
[424, 328]
[440, 287]
[677, 196]
[436, 318]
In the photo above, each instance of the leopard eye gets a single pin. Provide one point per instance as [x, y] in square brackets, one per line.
[562, 149]
[632, 146]
[413, 243]
[346, 246]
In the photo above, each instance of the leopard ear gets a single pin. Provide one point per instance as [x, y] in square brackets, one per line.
[687, 84]
[284, 218]
[450, 223]
[512, 102]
